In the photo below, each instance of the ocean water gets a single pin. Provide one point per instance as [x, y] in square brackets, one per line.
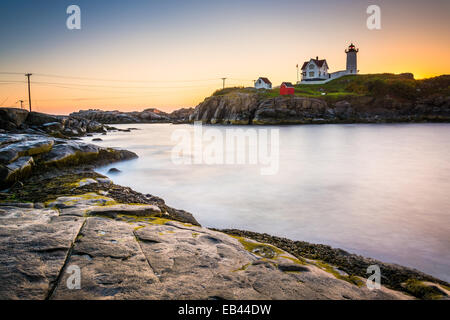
[380, 190]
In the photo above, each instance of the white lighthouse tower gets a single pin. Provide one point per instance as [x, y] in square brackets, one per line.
[351, 59]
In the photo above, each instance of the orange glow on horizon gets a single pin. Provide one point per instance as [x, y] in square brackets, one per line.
[158, 64]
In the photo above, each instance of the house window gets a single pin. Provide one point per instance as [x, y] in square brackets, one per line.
[311, 66]
[311, 74]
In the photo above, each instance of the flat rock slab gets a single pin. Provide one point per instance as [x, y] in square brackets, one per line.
[139, 210]
[151, 258]
[111, 262]
[94, 204]
[171, 260]
[81, 201]
[35, 244]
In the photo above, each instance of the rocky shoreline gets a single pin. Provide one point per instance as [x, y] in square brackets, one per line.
[151, 115]
[376, 98]
[57, 212]
[394, 276]
[245, 108]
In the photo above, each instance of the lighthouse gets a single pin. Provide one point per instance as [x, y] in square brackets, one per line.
[351, 59]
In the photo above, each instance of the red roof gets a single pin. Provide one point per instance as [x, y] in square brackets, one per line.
[265, 80]
[319, 63]
[288, 84]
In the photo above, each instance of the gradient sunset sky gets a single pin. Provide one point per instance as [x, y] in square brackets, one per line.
[172, 54]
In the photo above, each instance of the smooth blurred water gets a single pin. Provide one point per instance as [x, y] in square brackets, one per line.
[381, 191]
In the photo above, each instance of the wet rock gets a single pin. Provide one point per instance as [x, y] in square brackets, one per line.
[75, 153]
[15, 146]
[18, 169]
[97, 139]
[114, 170]
[70, 153]
[20, 153]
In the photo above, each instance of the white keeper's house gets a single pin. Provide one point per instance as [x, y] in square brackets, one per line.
[263, 83]
[315, 71]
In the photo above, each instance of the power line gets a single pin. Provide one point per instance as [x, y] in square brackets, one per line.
[109, 80]
[116, 80]
[12, 73]
[107, 86]
[91, 87]
[4, 101]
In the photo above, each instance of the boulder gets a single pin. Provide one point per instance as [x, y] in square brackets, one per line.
[13, 115]
[7, 125]
[94, 126]
[39, 119]
[23, 145]
[181, 115]
[70, 153]
[15, 171]
[52, 127]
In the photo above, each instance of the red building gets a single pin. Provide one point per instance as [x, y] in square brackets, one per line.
[287, 88]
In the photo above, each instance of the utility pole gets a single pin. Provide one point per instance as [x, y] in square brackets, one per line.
[223, 79]
[29, 92]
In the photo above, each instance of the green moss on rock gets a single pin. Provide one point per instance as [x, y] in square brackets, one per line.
[423, 291]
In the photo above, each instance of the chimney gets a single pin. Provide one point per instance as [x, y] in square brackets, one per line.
[317, 57]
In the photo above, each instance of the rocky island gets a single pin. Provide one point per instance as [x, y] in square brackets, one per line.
[373, 98]
[350, 99]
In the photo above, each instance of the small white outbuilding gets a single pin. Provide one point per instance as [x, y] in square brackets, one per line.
[263, 83]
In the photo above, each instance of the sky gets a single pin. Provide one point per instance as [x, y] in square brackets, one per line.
[136, 54]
